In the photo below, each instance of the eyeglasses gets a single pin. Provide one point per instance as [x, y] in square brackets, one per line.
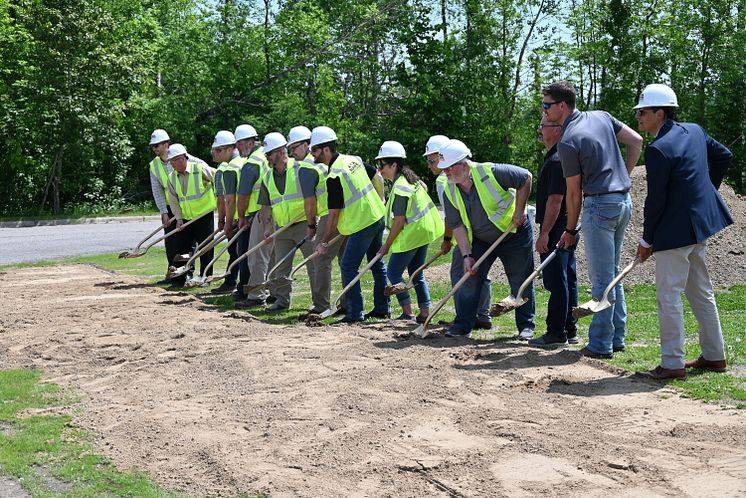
[547, 105]
[382, 165]
[542, 126]
[433, 161]
[641, 112]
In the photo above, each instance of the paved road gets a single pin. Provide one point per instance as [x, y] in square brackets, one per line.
[25, 245]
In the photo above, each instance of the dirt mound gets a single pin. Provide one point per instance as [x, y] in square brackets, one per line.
[212, 404]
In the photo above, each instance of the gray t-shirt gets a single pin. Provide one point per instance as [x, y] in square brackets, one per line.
[249, 176]
[219, 183]
[309, 178]
[508, 176]
[589, 147]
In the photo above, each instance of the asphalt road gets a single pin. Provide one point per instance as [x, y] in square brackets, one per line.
[26, 245]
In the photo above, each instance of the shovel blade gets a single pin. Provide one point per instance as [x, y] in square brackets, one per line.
[251, 288]
[194, 282]
[391, 290]
[590, 308]
[129, 254]
[182, 258]
[508, 304]
[420, 331]
[328, 313]
[177, 272]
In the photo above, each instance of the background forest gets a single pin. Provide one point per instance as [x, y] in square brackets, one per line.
[84, 82]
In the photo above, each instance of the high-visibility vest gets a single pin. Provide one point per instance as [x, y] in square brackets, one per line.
[288, 205]
[362, 205]
[322, 205]
[499, 204]
[441, 184]
[161, 171]
[198, 198]
[234, 165]
[422, 220]
[260, 159]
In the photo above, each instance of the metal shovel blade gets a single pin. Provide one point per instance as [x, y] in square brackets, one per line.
[391, 290]
[594, 306]
[130, 254]
[195, 282]
[507, 304]
[177, 272]
[182, 258]
[328, 313]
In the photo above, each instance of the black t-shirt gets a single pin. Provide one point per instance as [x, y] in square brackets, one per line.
[335, 194]
[551, 181]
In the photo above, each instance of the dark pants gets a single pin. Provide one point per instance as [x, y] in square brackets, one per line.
[232, 256]
[170, 243]
[243, 267]
[561, 282]
[192, 235]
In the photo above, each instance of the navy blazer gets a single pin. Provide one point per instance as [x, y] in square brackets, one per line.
[685, 167]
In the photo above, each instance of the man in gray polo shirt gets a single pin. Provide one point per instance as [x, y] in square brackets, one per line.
[598, 176]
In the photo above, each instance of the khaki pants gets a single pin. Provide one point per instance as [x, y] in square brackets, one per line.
[258, 261]
[281, 287]
[321, 285]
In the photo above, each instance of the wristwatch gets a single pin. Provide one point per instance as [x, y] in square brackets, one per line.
[467, 255]
[573, 231]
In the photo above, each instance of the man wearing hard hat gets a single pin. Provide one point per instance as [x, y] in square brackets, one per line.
[597, 178]
[312, 176]
[357, 211]
[483, 201]
[191, 196]
[432, 156]
[159, 173]
[281, 199]
[253, 271]
[683, 208]
[227, 176]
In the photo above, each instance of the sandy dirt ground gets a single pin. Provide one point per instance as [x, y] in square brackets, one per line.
[218, 403]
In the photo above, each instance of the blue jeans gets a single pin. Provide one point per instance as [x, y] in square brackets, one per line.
[605, 218]
[366, 242]
[517, 256]
[411, 260]
[560, 280]
[485, 295]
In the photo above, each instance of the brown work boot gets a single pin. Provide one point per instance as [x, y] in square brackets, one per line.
[711, 365]
[660, 373]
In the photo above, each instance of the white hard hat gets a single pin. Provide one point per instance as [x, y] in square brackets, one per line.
[657, 95]
[322, 135]
[176, 150]
[223, 137]
[245, 131]
[434, 144]
[273, 141]
[298, 134]
[158, 136]
[452, 152]
[390, 148]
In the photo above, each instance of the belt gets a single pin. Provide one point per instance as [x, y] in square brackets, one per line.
[605, 193]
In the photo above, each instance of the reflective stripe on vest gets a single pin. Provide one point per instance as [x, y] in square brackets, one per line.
[198, 198]
[423, 224]
[362, 205]
[499, 204]
[322, 205]
[234, 165]
[159, 170]
[286, 206]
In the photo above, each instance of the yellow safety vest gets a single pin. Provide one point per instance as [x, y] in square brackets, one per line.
[362, 205]
[322, 205]
[198, 198]
[499, 204]
[423, 224]
[234, 165]
[441, 184]
[159, 169]
[286, 206]
[260, 159]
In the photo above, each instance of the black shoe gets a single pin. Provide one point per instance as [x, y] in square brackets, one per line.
[239, 296]
[165, 281]
[548, 341]
[404, 316]
[224, 288]
[618, 349]
[348, 320]
[592, 354]
[377, 314]
[483, 324]
[271, 300]
[275, 307]
[457, 333]
[250, 303]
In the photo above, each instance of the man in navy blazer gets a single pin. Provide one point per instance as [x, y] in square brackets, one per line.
[685, 167]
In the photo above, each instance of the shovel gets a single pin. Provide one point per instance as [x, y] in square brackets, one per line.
[390, 290]
[190, 262]
[245, 255]
[199, 280]
[136, 251]
[594, 306]
[337, 301]
[247, 288]
[421, 331]
[512, 302]
[183, 258]
[309, 258]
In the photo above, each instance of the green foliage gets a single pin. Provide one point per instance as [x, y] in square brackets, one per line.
[79, 95]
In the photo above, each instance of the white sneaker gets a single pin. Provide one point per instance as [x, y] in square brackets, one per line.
[525, 334]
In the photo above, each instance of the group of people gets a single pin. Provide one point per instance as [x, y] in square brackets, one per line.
[302, 193]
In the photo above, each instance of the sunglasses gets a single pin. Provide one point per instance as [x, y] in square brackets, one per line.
[542, 126]
[433, 161]
[547, 105]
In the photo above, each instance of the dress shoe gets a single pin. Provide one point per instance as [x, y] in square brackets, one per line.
[660, 373]
[483, 324]
[711, 365]
[377, 314]
[598, 356]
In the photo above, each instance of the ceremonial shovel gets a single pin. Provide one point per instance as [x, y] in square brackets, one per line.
[183, 258]
[390, 290]
[421, 331]
[247, 288]
[183, 269]
[594, 306]
[135, 252]
[338, 300]
[199, 280]
[309, 258]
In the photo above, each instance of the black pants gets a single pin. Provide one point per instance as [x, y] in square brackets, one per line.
[232, 256]
[170, 243]
[192, 235]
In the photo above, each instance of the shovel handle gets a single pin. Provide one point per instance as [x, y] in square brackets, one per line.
[160, 227]
[159, 239]
[207, 240]
[217, 240]
[222, 251]
[356, 279]
[312, 256]
[422, 268]
[619, 277]
[287, 256]
[461, 281]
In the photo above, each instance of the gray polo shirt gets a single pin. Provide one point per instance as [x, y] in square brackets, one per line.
[508, 176]
[588, 147]
[249, 176]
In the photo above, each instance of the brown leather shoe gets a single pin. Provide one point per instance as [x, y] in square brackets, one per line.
[660, 373]
[711, 365]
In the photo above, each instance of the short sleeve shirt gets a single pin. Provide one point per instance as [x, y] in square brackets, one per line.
[551, 182]
[249, 176]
